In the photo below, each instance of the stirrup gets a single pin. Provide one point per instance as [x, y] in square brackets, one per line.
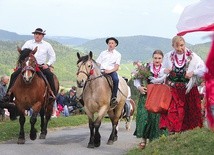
[113, 103]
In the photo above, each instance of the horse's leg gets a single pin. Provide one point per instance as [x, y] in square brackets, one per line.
[33, 130]
[114, 116]
[48, 114]
[102, 112]
[42, 117]
[91, 127]
[112, 136]
[97, 134]
[128, 123]
[21, 139]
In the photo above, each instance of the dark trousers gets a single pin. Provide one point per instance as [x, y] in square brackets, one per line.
[115, 80]
[49, 75]
[13, 78]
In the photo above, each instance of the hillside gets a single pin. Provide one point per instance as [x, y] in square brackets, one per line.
[201, 49]
[140, 47]
[65, 40]
[131, 48]
[65, 66]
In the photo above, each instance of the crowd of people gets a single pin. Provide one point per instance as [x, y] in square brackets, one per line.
[179, 69]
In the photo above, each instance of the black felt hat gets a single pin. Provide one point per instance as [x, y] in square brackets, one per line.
[40, 31]
[112, 38]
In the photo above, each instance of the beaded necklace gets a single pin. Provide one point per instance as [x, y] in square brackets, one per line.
[156, 70]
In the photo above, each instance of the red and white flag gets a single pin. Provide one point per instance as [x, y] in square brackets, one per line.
[200, 17]
[197, 17]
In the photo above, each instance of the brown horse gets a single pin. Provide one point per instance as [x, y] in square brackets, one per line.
[31, 91]
[95, 89]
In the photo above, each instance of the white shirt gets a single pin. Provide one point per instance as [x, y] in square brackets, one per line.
[45, 53]
[108, 59]
[196, 64]
[161, 76]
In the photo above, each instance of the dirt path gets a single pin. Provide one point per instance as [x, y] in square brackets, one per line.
[73, 141]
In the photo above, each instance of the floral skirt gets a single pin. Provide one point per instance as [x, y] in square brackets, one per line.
[184, 112]
[147, 123]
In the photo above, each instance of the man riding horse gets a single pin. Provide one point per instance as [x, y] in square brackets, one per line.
[45, 57]
[109, 61]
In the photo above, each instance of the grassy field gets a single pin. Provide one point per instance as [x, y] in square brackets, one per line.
[199, 141]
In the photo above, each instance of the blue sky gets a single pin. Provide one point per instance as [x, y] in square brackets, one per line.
[96, 18]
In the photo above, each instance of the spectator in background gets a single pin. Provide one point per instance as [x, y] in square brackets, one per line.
[3, 89]
[70, 101]
[60, 100]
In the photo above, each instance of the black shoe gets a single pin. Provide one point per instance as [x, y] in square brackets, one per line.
[7, 105]
[113, 103]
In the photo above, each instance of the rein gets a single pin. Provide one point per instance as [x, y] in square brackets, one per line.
[88, 74]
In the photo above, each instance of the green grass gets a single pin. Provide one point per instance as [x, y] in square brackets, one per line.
[199, 141]
[10, 129]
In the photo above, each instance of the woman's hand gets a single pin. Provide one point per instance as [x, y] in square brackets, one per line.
[142, 89]
[189, 75]
[167, 70]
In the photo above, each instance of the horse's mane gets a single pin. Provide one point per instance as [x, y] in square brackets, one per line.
[84, 59]
[23, 54]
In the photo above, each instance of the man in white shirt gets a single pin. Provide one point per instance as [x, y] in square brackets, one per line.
[109, 61]
[45, 57]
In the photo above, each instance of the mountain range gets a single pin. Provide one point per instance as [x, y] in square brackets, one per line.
[132, 48]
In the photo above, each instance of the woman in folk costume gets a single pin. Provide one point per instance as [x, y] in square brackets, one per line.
[147, 123]
[184, 68]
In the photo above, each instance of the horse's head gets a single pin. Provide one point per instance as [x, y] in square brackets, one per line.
[28, 63]
[85, 69]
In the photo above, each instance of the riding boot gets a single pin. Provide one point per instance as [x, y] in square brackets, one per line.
[52, 96]
[113, 102]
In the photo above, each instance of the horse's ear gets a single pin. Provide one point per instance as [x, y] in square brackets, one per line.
[19, 49]
[78, 55]
[35, 50]
[90, 54]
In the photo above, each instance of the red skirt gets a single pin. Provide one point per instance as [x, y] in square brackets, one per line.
[184, 111]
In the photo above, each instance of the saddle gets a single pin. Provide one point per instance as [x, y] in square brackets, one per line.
[52, 96]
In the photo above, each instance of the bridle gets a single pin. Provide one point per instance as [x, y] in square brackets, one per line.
[29, 67]
[88, 74]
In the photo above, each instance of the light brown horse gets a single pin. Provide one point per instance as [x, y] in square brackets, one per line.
[96, 90]
[31, 91]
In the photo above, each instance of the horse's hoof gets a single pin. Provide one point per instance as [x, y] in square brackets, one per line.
[21, 141]
[33, 136]
[97, 144]
[110, 142]
[90, 145]
[115, 138]
[42, 136]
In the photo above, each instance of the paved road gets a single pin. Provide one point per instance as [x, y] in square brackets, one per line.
[73, 141]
